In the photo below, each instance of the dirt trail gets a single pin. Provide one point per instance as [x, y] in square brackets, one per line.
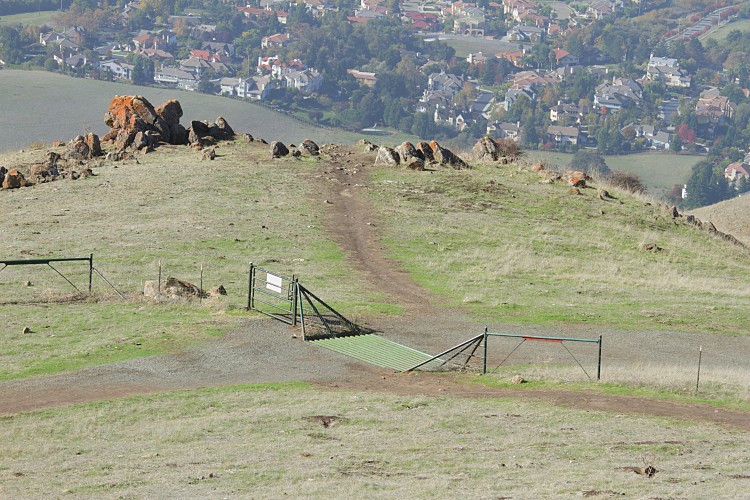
[353, 224]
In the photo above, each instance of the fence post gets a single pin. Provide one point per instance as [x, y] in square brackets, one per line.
[484, 364]
[91, 270]
[250, 286]
[295, 292]
[599, 362]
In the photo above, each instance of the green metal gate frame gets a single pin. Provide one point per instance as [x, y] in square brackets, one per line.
[559, 340]
[28, 262]
[279, 294]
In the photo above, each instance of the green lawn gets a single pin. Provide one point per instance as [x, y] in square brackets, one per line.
[721, 34]
[29, 18]
[659, 171]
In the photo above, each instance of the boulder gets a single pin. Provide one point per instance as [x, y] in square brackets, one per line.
[208, 154]
[3, 172]
[77, 150]
[194, 139]
[415, 164]
[424, 148]
[217, 290]
[517, 379]
[278, 149]
[445, 156]
[178, 289]
[485, 150]
[136, 114]
[92, 141]
[221, 130]
[124, 139]
[368, 146]
[309, 147]
[201, 129]
[13, 180]
[407, 152]
[387, 156]
[170, 111]
[246, 137]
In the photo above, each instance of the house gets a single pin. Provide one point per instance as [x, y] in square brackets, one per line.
[530, 34]
[483, 103]
[276, 40]
[119, 69]
[565, 58]
[736, 170]
[504, 130]
[565, 113]
[445, 81]
[667, 71]
[512, 95]
[561, 136]
[622, 92]
[176, 77]
[660, 140]
[713, 108]
[363, 77]
[224, 49]
[668, 110]
[308, 80]
[256, 88]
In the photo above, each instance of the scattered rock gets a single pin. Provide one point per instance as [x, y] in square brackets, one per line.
[445, 156]
[368, 146]
[208, 154]
[674, 212]
[194, 139]
[92, 141]
[151, 289]
[537, 168]
[220, 130]
[3, 172]
[325, 420]
[13, 180]
[650, 247]
[574, 191]
[407, 152]
[387, 156]
[309, 147]
[415, 164]
[424, 148]
[178, 289]
[217, 290]
[26, 329]
[648, 471]
[604, 195]
[57, 144]
[485, 150]
[246, 137]
[278, 149]
[517, 379]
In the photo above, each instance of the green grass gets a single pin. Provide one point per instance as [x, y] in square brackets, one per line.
[267, 441]
[720, 34]
[28, 18]
[504, 245]
[42, 106]
[659, 171]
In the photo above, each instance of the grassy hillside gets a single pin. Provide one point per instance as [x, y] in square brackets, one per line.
[42, 106]
[499, 242]
[493, 240]
[29, 18]
[729, 217]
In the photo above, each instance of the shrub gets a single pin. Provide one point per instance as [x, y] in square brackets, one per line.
[627, 181]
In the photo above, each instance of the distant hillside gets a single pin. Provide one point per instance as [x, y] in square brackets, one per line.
[729, 217]
[40, 106]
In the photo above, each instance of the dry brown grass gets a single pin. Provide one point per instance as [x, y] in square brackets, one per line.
[267, 442]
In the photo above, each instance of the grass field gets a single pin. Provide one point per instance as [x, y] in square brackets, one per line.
[721, 34]
[504, 245]
[43, 106]
[271, 442]
[29, 18]
[659, 171]
[253, 210]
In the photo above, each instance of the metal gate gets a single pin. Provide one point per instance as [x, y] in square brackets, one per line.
[273, 295]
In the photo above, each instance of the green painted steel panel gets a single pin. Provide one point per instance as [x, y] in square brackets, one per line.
[375, 350]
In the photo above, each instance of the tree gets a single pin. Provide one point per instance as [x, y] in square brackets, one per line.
[590, 162]
[423, 126]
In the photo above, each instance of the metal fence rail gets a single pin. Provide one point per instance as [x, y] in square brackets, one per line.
[31, 262]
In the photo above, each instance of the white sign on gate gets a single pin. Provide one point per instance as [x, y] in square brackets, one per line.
[273, 282]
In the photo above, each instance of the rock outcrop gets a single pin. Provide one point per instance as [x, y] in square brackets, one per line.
[13, 180]
[133, 114]
[445, 156]
[387, 156]
[278, 149]
[407, 152]
[309, 147]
